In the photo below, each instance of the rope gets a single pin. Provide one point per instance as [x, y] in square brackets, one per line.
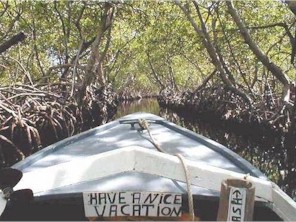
[188, 183]
[144, 125]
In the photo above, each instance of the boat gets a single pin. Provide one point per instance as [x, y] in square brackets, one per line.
[138, 167]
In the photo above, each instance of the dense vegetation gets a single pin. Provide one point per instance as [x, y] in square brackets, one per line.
[151, 45]
[73, 60]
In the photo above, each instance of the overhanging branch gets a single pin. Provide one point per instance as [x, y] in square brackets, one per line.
[12, 41]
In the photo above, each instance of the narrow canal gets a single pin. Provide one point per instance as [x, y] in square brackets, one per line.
[265, 152]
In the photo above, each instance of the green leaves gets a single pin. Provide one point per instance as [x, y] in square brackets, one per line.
[56, 29]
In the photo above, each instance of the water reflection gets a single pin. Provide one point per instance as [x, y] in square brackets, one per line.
[266, 152]
[143, 105]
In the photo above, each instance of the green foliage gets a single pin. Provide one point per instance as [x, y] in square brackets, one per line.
[145, 35]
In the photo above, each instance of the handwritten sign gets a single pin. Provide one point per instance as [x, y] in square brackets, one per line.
[237, 204]
[116, 204]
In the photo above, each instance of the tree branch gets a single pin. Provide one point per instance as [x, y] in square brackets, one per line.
[206, 41]
[273, 68]
[95, 59]
[154, 73]
[12, 41]
[205, 81]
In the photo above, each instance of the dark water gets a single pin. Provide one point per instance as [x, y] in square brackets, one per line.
[265, 152]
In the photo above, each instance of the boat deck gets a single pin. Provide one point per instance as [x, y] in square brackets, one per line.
[119, 134]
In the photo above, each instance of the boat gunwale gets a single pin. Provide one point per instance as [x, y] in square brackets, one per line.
[219, 148]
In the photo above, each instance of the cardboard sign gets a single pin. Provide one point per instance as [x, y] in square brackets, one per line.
[237, 204]
[116, 204]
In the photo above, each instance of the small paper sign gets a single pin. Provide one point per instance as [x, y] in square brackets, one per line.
[237, 204]
[148, 204]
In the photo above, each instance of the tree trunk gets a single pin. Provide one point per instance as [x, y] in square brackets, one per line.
[272, 67]
[94, 68]
[206, 40]
[12, 41]
[155, 75]
[292, 5]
